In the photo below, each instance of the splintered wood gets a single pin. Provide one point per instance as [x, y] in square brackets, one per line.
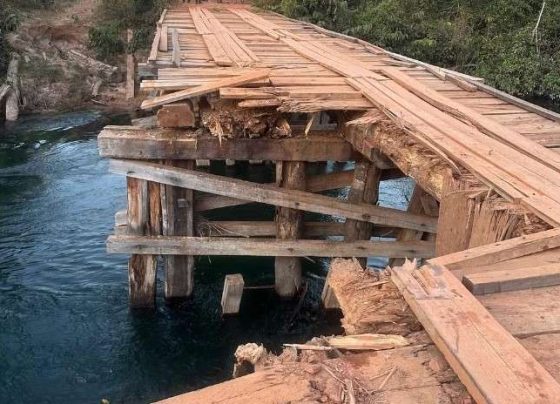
[369, 300]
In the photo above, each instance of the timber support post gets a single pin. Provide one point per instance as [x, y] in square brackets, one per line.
[289, 226]
[178, 220]
[364, 189]
[141, 268]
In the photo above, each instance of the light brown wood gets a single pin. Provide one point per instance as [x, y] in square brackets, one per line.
[263, 193]
[206, 88]
[501, 251]
[484, 283]
[314, 183]
[490, 362]
[178, 245]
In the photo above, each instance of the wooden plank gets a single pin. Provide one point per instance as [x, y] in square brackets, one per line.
[315, 183]
[155, 46]
[263, 193]
[163, 245]
[206, 88]
[150, 144]
[501, 251]
[526, 312]
[491, 363]
[483, 283]
[176, 55]
[163, 46]
[484, 124]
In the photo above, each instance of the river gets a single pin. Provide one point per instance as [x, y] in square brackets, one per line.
[66, 332]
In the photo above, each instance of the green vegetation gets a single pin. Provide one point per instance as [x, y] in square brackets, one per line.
[108, 39]
[499, 40]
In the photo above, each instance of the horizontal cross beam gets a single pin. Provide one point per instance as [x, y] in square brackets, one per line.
[262, 193]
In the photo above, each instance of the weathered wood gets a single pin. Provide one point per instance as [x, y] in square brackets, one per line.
[13, 96]
[420, 202]
[178, 115]
[232, 293]
[178, 245]
[364, 189]
[263, 193]
[526, 312]
[287, 270]
[128, 142]
[501, 251]
[216, 228]
[176, 53]
[315, 183]
[369, 300]
[141, 268]
[483, 283]
[130, 69]
[178, 204]
[206, 88]
[490, 362]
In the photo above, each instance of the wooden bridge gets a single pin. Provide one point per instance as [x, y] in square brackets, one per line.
[232, 83]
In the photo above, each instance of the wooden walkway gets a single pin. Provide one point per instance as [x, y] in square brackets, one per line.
[486, 166]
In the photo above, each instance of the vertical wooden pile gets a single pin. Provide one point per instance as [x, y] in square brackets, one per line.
[289, 226]
[178, 220]
[364, 189]
[141, 268]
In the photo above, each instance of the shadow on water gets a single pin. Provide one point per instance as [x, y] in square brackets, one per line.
[66, 333]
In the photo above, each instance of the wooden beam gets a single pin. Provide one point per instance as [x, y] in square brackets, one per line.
[123, 244]
[483, 283]
[179, 115]
[206, 88]
[263, 193]
[129, 142]
[315, 183]
[491, 363]
[501, 251]
[245, 228]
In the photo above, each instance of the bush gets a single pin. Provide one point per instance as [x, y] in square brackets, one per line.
[108, 39]
[493, 39]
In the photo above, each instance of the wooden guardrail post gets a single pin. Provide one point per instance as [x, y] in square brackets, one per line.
[289, 225]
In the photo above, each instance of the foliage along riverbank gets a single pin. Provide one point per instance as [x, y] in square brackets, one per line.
[60, 43]
[513, 44]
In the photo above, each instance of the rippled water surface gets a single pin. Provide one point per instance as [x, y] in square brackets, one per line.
[66, 333]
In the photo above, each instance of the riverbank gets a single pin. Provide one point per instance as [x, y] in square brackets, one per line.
[57, 70]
